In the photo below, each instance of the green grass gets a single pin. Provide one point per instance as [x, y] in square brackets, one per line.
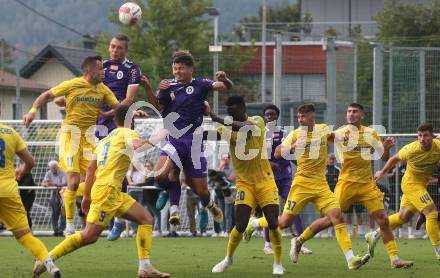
[189, 257]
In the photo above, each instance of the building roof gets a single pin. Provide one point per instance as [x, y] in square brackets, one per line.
[8, 80]
[298, 57]
[69, 56]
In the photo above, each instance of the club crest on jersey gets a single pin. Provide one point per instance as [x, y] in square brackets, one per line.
[189, 90]
[119, 75]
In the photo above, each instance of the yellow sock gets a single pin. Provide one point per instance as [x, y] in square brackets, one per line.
[275, 238]
[36, 246]
[262, 222]
[234, 240]
[306, 235]
[395, 221]
[391, 248]
[343, 237]
[68, 245]
[69, 204]
[144, 238]
[432, 228]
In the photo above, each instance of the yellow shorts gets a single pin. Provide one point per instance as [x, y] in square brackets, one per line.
[305, 190]
[75, 150]
[416, 200]
[107, 203]
[262, 194]
[368, 194]
[12, 214]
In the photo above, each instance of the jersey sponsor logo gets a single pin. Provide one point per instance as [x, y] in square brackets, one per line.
[88, 99]
[189, 90]
[133, 75]
[119, 75]
[114, 67]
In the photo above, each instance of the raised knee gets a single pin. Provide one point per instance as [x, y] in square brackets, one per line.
[240, 227]
[87, 239]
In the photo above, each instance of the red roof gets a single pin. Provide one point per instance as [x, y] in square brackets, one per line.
[297, 58]
[8, 80]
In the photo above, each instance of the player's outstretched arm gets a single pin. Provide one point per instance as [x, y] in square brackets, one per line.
[236, 125]
[151, 97]
[391, 163]
[29, 163]
[223, 81]
[387, 144]
[40, 101]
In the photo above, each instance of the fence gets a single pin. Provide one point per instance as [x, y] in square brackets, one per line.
[41, 139]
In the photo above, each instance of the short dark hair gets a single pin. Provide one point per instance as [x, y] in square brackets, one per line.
[121, 113]
[356, 105]
[122, 37]
[183, 57]
[272, 107]
[426, 127]
[238, 100]
[90, 61]
[305, 108]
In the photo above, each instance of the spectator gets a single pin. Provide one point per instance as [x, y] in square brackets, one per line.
[221, 185]
[27, 195]
[56, 177]
[226, 167]
[332, 172]
[150, 197]
[192, 206]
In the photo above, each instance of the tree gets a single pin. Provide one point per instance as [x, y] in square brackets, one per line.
[166, 26]
[280, 18]
[6, 53]
[409, 24]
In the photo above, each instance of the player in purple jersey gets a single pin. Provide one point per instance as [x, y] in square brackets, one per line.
[123, 77]
[281, 168]
[182, 103]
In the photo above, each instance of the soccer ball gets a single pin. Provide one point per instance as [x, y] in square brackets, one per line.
[129, 13]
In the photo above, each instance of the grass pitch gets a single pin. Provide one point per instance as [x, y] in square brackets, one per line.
[194, 257]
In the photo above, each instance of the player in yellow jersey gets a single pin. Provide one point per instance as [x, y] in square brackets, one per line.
[356, 185]
[255, 181]
[103, 199]
[84, 98]
[422, 157]
[12, 212]
[308, 146]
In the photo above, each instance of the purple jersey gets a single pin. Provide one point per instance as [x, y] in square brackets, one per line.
[118, 77]
[188, 101]
[285, 169]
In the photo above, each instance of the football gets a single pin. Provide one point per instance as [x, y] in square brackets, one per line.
[129, 13]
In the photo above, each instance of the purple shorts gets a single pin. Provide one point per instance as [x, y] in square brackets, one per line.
[284, 185]
[187, 154]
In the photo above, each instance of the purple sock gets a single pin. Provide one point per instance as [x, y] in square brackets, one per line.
[174, 192]
[299, 228]
[266, 234]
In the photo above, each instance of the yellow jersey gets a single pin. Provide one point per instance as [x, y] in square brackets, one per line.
[420, 164]
[311, 156]
[83, 101]
[10, 144]
[248, 151]
[356, 154]
[113, 157]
